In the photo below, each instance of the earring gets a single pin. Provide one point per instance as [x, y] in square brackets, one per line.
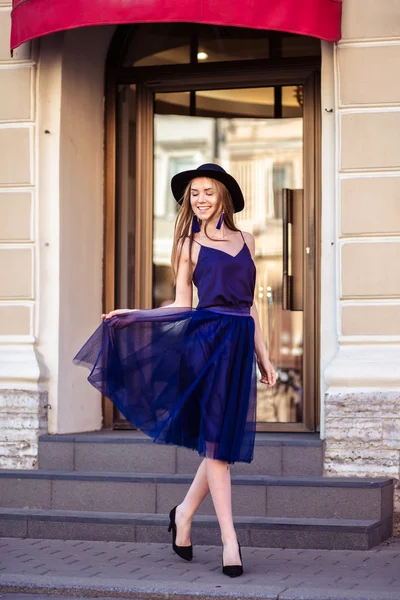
[220, 221]
[195, 225]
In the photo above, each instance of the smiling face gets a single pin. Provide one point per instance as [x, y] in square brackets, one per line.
[204, 198]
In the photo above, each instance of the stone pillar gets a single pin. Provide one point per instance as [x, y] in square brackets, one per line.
[22, 396]
[362, 402]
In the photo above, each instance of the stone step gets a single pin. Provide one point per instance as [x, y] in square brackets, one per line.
[261, 532]
[130, 451]
[261, 496]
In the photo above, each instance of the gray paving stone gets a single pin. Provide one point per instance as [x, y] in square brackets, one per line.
[249, 500]
[152, 572]
[13, 528]
[81, 531]
[56, 452]
[311, 593]
[56, 456]
[187, 461]
[77, 524]
[171, 494]
[321, 502]
[297, 461]
[206, 535]
[148, 533]
[387, 502]
[307, 539]
[267, 461]
[25, 493]
[381, 533]
[131, 458]
[104, 496]
[11, 596]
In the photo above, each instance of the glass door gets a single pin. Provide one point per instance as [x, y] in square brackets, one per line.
[237, 129]
[250, 102]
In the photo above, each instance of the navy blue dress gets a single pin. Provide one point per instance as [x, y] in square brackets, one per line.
[187, 376]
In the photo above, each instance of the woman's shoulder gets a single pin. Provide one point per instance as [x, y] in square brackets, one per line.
[187, 249]
[248, 237]
[183, 247]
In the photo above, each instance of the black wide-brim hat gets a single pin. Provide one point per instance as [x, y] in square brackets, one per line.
[180, 181]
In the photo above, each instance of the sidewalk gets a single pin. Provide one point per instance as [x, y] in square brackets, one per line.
[153, 572]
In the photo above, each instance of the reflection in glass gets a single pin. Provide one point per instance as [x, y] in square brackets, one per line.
[292, 101]
[265, 155]
[157, 44]
[299, 45]
[219, 44]
[247, 102]
[173, 103]
[180, 143]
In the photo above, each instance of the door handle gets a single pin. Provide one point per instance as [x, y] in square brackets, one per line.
[286, 193]
[293, 244]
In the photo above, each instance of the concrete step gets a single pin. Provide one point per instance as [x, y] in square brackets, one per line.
[286, 454]
[261, 532]
[253, 496]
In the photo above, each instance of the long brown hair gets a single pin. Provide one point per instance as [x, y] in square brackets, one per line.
[184, 221]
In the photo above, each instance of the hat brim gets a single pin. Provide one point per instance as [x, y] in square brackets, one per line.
[180, 181]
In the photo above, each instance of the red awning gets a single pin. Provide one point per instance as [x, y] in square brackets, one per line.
[317, 18]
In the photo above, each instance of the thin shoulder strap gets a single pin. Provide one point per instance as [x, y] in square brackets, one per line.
[241, 233]
[196, 242]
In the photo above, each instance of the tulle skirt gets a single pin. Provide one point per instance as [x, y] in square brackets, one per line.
[182, 376]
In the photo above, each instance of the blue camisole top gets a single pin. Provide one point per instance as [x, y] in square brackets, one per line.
[225, 281]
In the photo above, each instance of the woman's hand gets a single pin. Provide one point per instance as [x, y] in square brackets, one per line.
[114, 313]
[268, 375]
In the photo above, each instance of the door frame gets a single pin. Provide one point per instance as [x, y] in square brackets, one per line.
[241, 74]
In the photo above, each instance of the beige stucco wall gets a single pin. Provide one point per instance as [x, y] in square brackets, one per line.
[368, 94]
[361, 427]
[22, 398]
[17, 184]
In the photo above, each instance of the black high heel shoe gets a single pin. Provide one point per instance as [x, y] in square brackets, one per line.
[185, 552]
[233, 570]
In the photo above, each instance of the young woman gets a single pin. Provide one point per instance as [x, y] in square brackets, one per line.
[187, 376]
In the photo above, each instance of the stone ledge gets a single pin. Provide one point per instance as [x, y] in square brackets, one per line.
[352, 525]
[257, 480]
[136, 437]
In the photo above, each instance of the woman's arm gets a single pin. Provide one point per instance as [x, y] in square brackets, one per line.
[260, 347]
[268, 374]
[184, 289]
[184, 286]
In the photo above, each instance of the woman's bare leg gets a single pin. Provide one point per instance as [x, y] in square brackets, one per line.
[212, 475]
[219, 481]
[186, 510]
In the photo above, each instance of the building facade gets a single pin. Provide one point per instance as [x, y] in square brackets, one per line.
[89, 139]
